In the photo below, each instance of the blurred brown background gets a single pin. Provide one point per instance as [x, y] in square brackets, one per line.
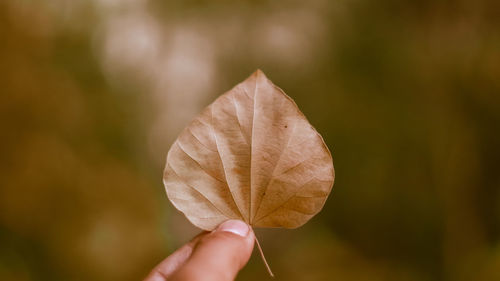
[405, 93]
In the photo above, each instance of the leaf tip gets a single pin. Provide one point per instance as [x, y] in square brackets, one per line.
[258, 73]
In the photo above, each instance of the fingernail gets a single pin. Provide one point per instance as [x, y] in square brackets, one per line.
[235, 226]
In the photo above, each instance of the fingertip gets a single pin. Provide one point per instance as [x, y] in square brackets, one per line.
[234, 226]
[220, 254]
[234, 233]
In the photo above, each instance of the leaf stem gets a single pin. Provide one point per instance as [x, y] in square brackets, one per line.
[263, 257]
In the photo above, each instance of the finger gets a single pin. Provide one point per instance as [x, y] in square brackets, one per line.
[219, 255]
[169, 265]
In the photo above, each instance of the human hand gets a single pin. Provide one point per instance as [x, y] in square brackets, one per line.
[217, 255]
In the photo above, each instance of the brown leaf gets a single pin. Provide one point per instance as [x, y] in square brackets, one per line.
[250, 155]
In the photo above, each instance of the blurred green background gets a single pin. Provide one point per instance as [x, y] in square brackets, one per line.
[405, 93]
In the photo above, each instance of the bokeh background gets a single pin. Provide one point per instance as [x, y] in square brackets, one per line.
[405, 93]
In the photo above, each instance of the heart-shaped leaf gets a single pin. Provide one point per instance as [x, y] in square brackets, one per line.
[250, 155]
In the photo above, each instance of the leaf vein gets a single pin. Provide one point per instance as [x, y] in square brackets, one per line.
[238, 119]
[222, 163]
[197, 191]
[276, 165]
[198, 163]
[197, 139]
[290, 198]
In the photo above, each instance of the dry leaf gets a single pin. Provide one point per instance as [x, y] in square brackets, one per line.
[250, 155]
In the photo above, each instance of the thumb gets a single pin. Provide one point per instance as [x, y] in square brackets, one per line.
[219, 255]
